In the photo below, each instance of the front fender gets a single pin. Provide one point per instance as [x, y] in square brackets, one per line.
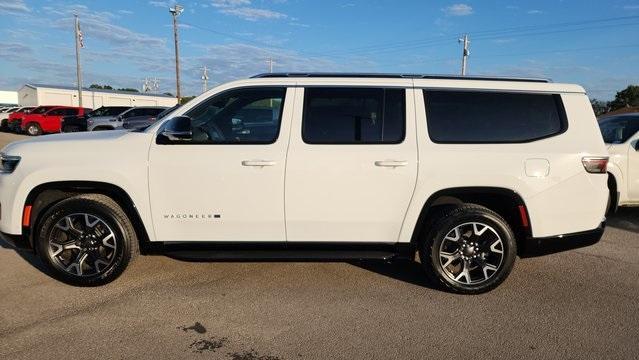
[15, 190]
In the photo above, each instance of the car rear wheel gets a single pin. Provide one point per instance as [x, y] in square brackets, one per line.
[469, 249]
[86, 240]
[33, 129]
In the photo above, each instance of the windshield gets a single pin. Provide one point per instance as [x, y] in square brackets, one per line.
[617, 130]
[108, 111]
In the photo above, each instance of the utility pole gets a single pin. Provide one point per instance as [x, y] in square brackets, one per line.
[175, 12]
[270, 63]
[78, 44]
[465, 54]
[205, 79]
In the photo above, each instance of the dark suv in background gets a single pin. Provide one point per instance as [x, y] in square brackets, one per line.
[115, 122]
[144, 121]
[79, 123]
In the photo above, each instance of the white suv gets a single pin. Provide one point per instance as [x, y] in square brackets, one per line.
[468, 172]
[621, 135]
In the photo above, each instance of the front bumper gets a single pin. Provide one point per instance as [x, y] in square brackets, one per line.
[553, 244]
[15, 126]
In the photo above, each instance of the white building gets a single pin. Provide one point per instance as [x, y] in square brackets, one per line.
[39, 94]
[8, 97]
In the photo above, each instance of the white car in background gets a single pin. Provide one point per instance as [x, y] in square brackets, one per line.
[621, 135]
[4, 115]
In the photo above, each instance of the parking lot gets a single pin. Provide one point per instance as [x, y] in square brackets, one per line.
[581, 304]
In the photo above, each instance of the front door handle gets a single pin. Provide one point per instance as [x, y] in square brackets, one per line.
[390, 163]
[260, 163]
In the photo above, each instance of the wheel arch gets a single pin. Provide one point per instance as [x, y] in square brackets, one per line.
[45, 195]
[616, 179]
[506, 202]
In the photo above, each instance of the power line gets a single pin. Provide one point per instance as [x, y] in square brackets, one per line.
[488, 56]
[419, 43]
[520, 31]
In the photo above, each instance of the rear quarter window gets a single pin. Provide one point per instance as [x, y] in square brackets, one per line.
[492, 117]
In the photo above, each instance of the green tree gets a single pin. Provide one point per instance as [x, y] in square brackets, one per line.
[98, 86]
[627, 97]
[599, 107]
[129, 89]
[186, 99]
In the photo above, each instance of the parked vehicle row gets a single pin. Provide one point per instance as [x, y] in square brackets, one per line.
[54, 119]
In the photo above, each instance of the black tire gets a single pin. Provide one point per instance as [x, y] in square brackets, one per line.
[123, 248]
[460, 217]
[71, 128]
[613, 196]
[33, 129]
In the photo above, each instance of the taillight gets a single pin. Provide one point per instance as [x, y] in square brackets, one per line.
[595, 165]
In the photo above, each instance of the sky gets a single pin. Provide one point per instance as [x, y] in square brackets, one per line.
[588, 42]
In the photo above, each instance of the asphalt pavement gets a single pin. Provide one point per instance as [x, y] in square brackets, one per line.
[580, 304]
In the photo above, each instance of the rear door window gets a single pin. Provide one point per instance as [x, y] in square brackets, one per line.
[492, 117]
[354, 116]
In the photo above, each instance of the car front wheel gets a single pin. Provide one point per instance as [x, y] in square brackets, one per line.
[469, 249]
[33, 129]
[86, 240]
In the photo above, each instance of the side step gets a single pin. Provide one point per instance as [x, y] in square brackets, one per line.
[281, 252]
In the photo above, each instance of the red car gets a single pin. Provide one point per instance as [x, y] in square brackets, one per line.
[48, 119]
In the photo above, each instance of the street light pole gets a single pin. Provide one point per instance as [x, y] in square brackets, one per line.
[205, 79]
[78, 44]
[175, 12]
[465, 54]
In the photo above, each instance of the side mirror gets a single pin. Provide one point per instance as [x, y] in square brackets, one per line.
[635, 145]
[176, 130]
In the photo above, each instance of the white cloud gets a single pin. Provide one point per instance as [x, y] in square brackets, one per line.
[13, 7]
[125, 12]
[253, 14]
[99, 25]
[535, 12]
[230, 3]
[164, 4]
[458, 10]
[244, 10]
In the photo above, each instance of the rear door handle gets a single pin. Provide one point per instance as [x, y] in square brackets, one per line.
[390, 163]
[259, 163]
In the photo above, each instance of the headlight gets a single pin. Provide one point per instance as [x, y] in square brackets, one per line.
[8, 163]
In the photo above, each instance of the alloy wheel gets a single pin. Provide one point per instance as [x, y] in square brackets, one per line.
[82, 245]
[471, 253]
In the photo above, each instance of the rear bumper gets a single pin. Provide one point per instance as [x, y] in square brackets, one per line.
[553, 244]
